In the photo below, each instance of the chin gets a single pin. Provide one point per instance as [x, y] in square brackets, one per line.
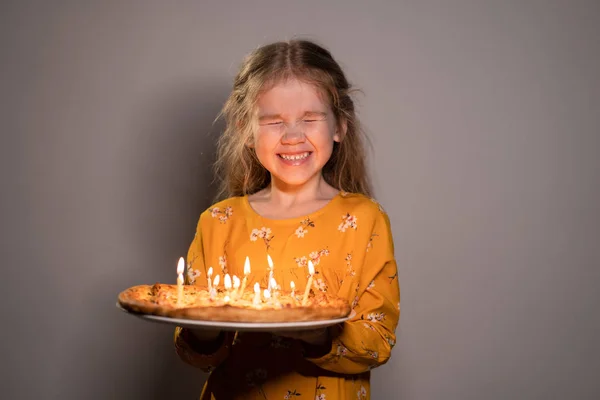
[294, 180]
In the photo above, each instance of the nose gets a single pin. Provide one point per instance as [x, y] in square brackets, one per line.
[293, 135]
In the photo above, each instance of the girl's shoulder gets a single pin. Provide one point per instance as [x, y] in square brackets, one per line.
[224, 210]
[360, 203]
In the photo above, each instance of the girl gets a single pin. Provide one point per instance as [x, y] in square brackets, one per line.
[293, 173]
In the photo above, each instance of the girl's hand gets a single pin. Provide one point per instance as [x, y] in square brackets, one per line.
[205, 335]
[316, 337]
[204, 341]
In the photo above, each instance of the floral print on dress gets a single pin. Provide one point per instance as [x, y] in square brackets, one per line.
[291, 393]
[376, 316]
[349, 268]
[391, 341]
[320, 284]
[192, 274]
[362, 393]
[368, 326]
[302, 229]
[347, 254]
[381, 210]
[341, 350]
[348, 221]
[315, 257]
[223, 263]
[320, 395]
[222, 214]
[263, 233]
[370, 244]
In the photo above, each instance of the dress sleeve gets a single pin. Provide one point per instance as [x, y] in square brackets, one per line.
[204, 355]
[366, 340]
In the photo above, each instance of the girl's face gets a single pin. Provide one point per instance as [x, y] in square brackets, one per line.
[296, 132]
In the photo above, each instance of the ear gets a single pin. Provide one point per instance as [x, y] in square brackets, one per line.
[340, 131]
[250, 142]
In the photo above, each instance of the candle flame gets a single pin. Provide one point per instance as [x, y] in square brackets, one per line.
[236, 282]
[247, 266]
[311, 268]
[270, 261]
[216, 281]
[292, 285]
[180, 266]
[256, 288]
[210, 271]
[227, 282]
[267, 294]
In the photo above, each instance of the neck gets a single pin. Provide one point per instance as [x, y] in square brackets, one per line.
[315, 189]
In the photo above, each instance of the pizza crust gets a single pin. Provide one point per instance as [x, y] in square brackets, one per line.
[161, 299]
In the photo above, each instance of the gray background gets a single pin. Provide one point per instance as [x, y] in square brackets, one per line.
[485, 122]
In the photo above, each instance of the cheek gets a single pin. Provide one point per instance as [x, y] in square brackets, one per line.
[264, 144]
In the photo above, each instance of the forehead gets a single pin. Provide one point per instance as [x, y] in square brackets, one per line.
[292, 96]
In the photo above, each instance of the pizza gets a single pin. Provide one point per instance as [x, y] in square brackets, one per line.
[197, 303]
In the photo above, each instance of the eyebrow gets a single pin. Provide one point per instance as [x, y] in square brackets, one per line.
[306, 114]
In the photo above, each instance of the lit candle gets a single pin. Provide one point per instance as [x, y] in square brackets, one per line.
[246, 273]
[270, 261]
[274, 288]
[180, 266]
[236, 286]
[267, 295]
[256, 300]
[293, 286]
[311, 271]
[213, 291]
[208, 277]
[227, 284]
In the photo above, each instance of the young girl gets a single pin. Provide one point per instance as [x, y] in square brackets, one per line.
[292, 166]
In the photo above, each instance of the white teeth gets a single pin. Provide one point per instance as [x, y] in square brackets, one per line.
[295, 156]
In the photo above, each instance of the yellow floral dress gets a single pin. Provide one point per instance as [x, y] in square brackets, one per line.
[350, 244]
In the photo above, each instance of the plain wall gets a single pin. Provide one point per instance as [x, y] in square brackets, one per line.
[485, 123]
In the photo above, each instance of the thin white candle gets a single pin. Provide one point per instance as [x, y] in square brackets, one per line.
[270, 261]
[311, 271]
[180, 267]
[293, 286]
[208, 278]
[246, 273]
[267, 295]
[227, 284]
[256, 300]
[236, 286]
[274, 288]
[213, 291]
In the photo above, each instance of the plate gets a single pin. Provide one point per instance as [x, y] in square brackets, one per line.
[239, 326]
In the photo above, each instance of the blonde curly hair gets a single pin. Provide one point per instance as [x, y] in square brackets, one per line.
[237, 167]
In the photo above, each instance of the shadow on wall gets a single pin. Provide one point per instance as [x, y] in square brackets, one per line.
[171, 180]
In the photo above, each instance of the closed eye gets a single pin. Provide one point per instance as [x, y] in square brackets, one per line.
[272, 123]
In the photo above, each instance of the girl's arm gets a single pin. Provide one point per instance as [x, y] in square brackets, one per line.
[366, 341]
[204, 349]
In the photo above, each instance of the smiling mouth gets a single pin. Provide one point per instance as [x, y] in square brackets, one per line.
[295, 157]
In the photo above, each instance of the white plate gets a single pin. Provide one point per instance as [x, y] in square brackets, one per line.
[239, 326]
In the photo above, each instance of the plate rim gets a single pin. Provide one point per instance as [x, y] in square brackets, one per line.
[238, 326]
